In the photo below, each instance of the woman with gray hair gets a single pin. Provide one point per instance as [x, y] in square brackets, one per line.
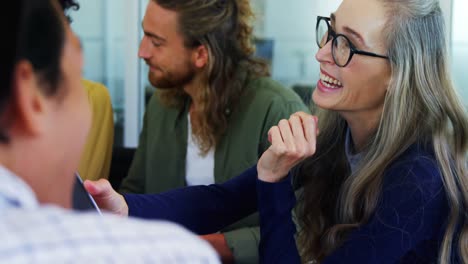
[380, 173]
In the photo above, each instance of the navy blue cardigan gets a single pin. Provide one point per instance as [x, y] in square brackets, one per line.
[407, 226]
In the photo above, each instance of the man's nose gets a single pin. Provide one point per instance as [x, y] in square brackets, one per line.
[144, 51]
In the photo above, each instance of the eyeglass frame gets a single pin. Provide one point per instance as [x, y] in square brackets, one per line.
[332, 35]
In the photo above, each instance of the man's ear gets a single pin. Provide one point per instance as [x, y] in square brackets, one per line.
[27, 108]
[200, 56]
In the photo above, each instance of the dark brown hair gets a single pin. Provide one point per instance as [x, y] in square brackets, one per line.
[34, 20]
[69, 5]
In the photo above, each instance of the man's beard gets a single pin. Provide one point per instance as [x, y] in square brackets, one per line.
[169, 80]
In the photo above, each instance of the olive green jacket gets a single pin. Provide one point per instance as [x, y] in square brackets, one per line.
[159, 162]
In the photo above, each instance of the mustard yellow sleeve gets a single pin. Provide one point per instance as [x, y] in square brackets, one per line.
[97, 154]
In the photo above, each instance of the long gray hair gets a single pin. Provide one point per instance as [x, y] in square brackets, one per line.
[421, 105]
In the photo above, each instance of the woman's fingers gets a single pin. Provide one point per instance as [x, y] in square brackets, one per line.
[275, 137]
[106, 197]
[309, 124]
[287, 135]
[291, 141]
[297, 129]
[295, 137]
[306, 118]
[300, 144]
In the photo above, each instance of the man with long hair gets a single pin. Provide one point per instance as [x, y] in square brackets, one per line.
[44, 121]
[214, 104]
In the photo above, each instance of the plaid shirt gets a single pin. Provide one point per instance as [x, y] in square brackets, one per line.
[31, 233]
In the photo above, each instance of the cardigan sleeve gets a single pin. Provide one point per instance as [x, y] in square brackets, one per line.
[277, 243]
[202, 209]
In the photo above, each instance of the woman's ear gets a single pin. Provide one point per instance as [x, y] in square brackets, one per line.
[27, 107]
[200, 56]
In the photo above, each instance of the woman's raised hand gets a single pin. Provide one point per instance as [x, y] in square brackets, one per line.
[292, 141]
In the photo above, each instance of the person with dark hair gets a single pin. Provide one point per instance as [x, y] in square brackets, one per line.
[69, 5]
[44, 121]
[209, 117]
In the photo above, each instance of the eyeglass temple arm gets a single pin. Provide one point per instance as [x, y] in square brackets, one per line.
[370, 54]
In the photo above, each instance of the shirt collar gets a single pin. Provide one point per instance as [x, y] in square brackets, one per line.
[14, 191]
[353, 157]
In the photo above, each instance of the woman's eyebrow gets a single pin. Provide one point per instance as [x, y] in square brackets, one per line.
[354, 34]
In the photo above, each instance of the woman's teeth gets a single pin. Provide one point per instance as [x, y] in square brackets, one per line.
[330, 82]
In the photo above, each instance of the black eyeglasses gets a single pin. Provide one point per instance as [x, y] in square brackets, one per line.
[342, 48]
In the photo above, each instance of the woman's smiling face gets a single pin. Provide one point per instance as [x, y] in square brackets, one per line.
[360, 86]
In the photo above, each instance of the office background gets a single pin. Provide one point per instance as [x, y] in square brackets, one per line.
[110, 31]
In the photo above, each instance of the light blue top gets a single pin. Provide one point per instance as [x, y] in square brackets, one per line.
[32, 233]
